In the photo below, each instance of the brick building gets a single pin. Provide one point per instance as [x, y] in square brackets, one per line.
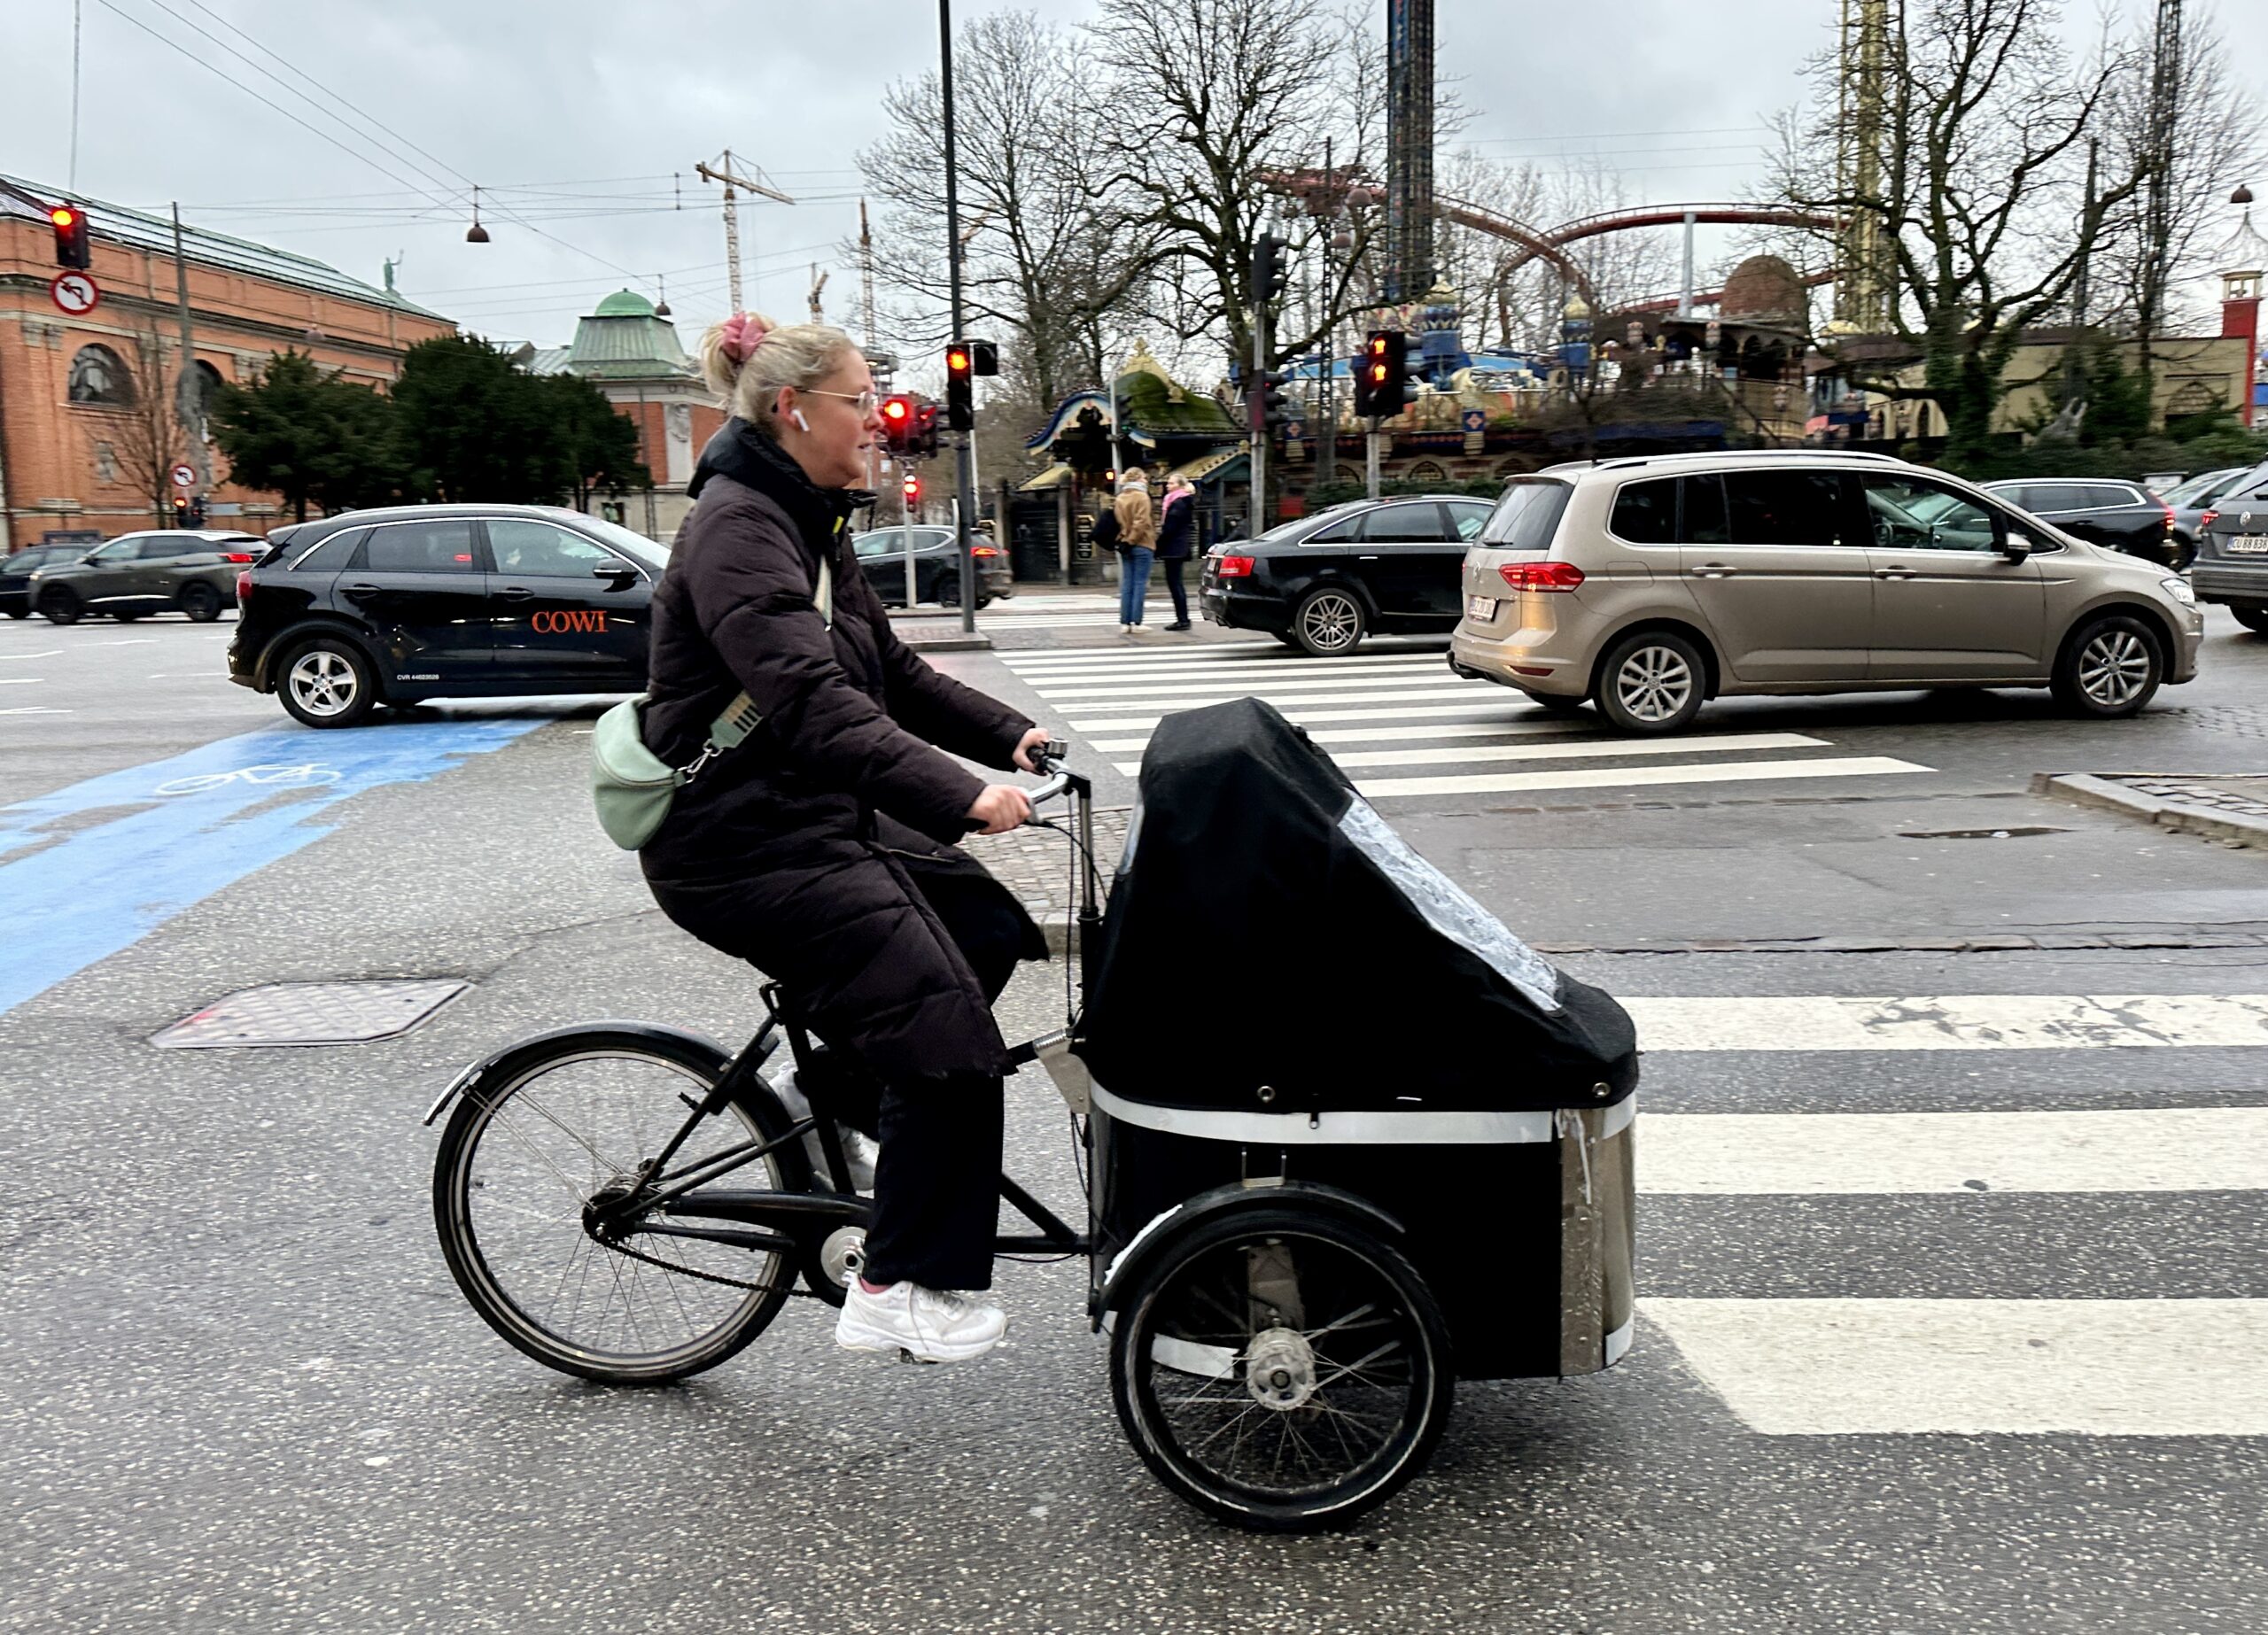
[630, 353]
[78, 427]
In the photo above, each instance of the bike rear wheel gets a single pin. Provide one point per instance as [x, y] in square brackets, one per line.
[571, 1121]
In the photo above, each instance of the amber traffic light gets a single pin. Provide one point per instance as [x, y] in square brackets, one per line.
[70, 248]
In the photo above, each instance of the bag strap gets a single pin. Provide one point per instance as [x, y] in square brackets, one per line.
[731, 730]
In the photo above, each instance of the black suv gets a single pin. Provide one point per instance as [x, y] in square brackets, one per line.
[2124, 516]
[936, 566]
[135, 575]
[435, 601]
[1321, 582]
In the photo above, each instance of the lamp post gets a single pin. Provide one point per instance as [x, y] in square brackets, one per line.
[964, 451]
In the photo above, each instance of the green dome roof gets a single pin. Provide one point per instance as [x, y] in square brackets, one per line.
[625, 304]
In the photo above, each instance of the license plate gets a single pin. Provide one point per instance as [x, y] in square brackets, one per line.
[1484, 608]
[2246, 544]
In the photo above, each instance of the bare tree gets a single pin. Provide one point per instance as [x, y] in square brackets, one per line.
[1982, 199]
[1050, 255]
[145, 436]
[2212, 135]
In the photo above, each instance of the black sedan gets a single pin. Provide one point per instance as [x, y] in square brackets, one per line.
[883, 556]
[1322, 583]
[2124, 516]
[16, 573]
[389, 607]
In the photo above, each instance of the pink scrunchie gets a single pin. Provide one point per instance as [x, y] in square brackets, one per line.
[743, 333]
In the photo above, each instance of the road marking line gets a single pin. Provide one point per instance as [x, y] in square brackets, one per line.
[1306, 716]
[1159, 655]
[1724, 744]
[131, 641]
[1979, 1367]
[1604, 778]
[1483, 697]
[1954, 1022]
[1069, 667]
[1530, 726]
[21, 681]
[2143, 1149]
[1055, 682]
[1383, 686]
[44, 653]
[33, 709]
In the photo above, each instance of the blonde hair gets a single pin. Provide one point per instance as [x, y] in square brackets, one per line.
[800, 355]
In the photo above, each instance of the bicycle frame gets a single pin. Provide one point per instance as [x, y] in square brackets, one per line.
[793, 1222]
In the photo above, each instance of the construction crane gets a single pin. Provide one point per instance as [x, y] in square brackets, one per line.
[818, 283]
[723, 172]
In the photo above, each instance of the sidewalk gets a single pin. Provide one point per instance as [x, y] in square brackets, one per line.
[2231, 807]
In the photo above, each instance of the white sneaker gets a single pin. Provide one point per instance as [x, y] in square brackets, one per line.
[928, 1325]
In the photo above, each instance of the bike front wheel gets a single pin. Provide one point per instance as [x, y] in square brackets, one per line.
[557, 1130]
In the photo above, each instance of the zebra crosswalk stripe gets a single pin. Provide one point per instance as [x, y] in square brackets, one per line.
[1954, 1022]
[1727, 743]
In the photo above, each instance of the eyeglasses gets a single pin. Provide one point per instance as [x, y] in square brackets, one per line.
[865, 402]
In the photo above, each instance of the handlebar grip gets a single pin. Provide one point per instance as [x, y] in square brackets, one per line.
[1053, 787]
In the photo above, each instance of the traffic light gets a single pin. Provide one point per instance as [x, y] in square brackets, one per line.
[1382, 377]
[70, 248]
[960, 394]
[1275, 408]
[1267, 275]
[897, 422]
[912, 490]
[983, 358]
[922, 440]
[181, 511]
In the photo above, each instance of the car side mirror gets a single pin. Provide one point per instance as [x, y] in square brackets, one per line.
[618, 575]
[2015, 547]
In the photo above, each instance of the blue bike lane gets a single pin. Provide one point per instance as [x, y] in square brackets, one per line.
[186, 828]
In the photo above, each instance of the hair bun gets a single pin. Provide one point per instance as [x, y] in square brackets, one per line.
[743, 333]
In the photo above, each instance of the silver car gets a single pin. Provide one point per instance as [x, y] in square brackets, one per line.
[1647, 586]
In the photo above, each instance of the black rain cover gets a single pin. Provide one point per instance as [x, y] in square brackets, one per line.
[1268, 928]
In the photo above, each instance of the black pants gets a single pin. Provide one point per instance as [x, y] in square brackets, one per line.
[1173, 565]
[937, 1182]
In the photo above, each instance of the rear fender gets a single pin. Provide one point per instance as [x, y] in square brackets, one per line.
[698, 1046]
[1126, 1269]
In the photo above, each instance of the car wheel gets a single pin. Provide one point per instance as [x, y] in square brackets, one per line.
[2109, 668]
[1328, 622]
[1651, 682]
[2252, 615]
[59, 604]
[199, 601]
[328, 682]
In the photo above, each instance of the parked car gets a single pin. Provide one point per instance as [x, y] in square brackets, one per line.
[16, 574]
[1646, 587]
[2126, 516]
[2232, 566]
[192, 569]
[936, 573]
[1322, 583]
[409, 602]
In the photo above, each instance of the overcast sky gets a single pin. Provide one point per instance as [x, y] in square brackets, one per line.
[587, 119]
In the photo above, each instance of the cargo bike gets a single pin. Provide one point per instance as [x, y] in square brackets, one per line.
[1345, 1141]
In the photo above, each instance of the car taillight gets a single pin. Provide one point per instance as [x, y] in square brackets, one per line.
[236, 557]
[983, 550]
[1234, 567]
[1541, 576]
[2169, 519]
[2208, 520]
[243, 585]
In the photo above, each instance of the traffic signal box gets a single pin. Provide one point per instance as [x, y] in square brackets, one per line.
[912, 489]
[1275, 407]
[1381, 380]
[1268, 276]
[70, 247]
[897, 422]
[965, 359]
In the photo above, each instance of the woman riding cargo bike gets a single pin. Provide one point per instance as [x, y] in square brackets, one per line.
[1299, 1236]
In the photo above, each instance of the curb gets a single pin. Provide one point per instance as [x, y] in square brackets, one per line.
[978, 643]
[2109, 794]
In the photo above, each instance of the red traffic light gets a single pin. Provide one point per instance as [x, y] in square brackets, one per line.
[913, 489]
[897, 411]
[70, 224]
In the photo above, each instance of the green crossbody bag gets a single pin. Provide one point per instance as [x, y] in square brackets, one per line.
[633, 786]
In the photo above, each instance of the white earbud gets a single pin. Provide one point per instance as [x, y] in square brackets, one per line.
[798, 416]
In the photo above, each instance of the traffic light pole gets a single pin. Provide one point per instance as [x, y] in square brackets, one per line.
[964, 463]
[1370, 461]
[1259, 400]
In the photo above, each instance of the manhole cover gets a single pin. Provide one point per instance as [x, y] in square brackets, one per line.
[309, 1013]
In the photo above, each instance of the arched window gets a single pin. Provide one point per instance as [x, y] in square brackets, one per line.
[1427, 471]
[99, 377]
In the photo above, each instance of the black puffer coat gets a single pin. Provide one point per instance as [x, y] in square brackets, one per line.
[801, 848]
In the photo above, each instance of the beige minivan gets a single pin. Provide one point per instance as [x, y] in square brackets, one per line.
[1649, 586]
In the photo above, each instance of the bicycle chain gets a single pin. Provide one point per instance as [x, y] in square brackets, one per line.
[791, 1289]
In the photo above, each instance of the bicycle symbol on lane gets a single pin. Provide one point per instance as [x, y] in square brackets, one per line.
[308, 775]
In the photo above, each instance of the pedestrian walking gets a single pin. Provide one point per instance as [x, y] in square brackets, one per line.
[1137, 539]
[1177, 536]
[820, 848]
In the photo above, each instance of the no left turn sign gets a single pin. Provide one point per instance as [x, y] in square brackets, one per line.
[185, 477]
[74, 292]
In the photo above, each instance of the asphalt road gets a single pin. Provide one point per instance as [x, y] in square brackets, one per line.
[1935, 1375]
